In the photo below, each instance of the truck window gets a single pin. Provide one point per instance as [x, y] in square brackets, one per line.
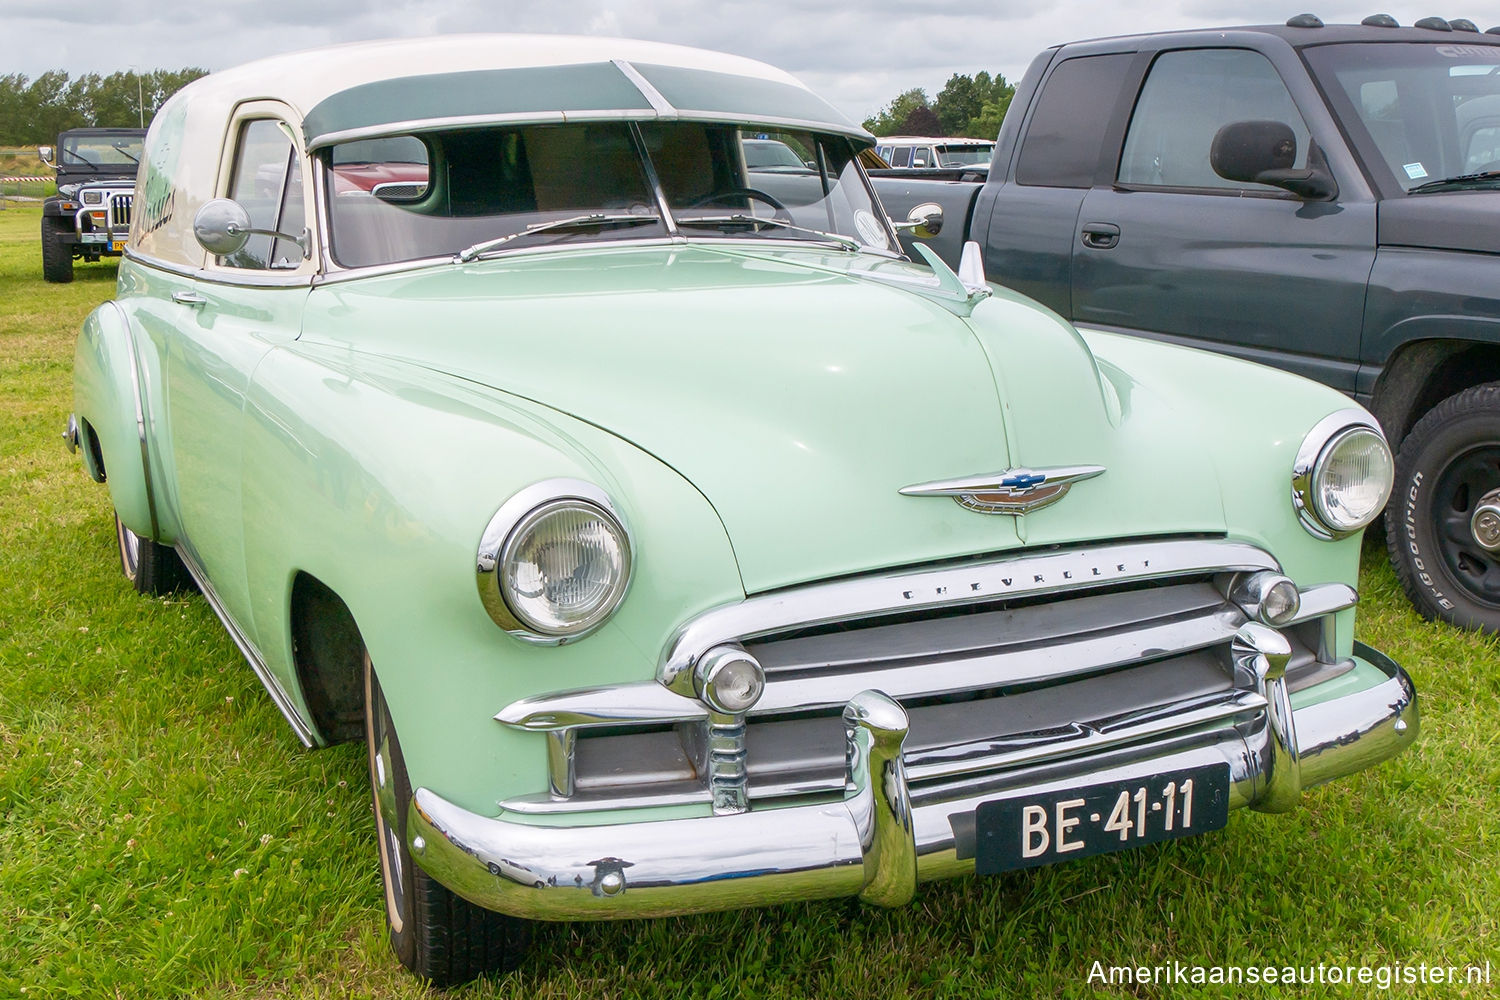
[1061, 147]
[902, 157]
[1188, 96]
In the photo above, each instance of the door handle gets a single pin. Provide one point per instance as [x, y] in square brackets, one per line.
[188, 299]
[1100, 235]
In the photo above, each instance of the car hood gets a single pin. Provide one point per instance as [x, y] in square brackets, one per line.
[1442, 220]
[799, 392]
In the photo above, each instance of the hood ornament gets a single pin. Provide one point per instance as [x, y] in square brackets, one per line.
[1013, 491]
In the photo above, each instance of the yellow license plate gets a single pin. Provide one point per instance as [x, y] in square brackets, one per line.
[117, 246]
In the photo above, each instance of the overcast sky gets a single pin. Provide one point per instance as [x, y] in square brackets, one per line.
[857, 53]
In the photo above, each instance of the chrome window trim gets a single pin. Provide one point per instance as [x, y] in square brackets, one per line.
[1323, 433]
[247, 279]
[1026, 574]
[496, 537]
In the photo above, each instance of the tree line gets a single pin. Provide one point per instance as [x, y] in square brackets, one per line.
[33, 112]
[970, 106]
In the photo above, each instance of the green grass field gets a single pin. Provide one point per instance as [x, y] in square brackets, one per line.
[162, 834]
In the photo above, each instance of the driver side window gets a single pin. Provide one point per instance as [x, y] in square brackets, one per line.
[1188, 96]
[267, 182]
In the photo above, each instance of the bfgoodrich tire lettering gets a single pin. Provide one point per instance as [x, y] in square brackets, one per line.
[436, 934]
[1447, 463]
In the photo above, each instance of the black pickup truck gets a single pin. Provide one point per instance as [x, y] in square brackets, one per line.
[1325, 199]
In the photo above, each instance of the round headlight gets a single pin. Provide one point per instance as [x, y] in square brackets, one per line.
[554, 570]
[1346, 486]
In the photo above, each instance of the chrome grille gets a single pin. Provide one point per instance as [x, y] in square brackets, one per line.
[119, 211]
[1086, 651]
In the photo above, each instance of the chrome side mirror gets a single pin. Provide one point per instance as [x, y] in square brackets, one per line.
[924, 221]
[222, 227]
[44, 153]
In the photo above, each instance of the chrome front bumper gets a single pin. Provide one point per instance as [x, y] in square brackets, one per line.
[881, 839]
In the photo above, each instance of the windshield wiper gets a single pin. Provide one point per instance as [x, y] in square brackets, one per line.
[572, 222]
[754, 220]
[1457, 181]
[121, 150]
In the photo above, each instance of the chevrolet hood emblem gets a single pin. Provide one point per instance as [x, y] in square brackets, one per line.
[1013, 491]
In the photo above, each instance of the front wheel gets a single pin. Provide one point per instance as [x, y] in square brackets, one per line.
[57, 250]
[435, 933]
[1443, 522]
[152, 568]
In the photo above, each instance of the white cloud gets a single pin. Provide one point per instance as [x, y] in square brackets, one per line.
[858, 55]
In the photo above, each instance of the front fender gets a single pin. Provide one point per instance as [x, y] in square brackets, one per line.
[384, 476]
[110, 393]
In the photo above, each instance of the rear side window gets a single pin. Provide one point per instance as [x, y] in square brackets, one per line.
[1188, 96]
[1061, 148]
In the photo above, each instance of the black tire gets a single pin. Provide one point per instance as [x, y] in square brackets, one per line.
[1448, 463]
[57, 250]
[153, 569]
[436, 933]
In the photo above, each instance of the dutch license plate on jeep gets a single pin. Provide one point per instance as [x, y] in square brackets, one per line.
[117, 246]
[1043, 829]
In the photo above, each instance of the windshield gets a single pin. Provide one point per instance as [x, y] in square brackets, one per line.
[964, 156]
[496, 189]
[96, 150]
[1428, 111]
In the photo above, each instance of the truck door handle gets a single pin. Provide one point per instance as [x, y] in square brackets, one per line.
[1100, 235]
[188, 299]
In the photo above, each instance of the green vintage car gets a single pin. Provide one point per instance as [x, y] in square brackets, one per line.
[673, 541]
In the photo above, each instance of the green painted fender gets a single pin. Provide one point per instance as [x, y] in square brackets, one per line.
[111, 398]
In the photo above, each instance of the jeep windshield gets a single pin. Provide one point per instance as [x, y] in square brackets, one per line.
[1429, 113]
[489, 190]
[96, 150]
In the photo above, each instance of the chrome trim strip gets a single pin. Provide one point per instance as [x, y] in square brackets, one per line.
[1077, 658]
[1085, 738]
[304, 729]
[659, 104]
[414, 126]
[1027, 574]
[857, 846]
[1324, 599]
[645, 703]
[221, 277]
[140, 417]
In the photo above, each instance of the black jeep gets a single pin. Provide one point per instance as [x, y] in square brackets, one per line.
[89, 217]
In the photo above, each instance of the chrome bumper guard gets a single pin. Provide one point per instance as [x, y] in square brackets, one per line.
[878, 842]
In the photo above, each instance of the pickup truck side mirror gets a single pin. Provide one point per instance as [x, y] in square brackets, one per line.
[1262, 152]
[44, 153]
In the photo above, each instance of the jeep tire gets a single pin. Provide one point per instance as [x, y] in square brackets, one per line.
[1447, 469]
[57, 250]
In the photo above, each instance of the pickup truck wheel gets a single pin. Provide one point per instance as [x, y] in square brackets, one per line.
[57, 250]
[1443, 523]
[435, 933]
[152, 568]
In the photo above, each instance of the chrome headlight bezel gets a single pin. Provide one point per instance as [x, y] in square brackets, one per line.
[1311, 460]
[515, 517]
